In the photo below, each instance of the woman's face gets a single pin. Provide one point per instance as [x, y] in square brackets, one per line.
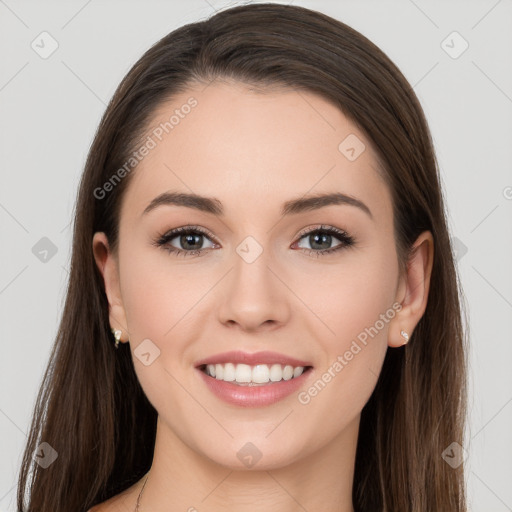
[264, 279]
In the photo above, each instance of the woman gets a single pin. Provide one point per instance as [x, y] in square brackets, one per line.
[261, 226]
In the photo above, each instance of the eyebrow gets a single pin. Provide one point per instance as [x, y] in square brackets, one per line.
[292, 207]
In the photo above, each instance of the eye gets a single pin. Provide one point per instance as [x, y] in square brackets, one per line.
[322, 237]
[188, 237]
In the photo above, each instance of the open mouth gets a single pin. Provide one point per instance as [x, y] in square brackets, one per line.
[253, 375]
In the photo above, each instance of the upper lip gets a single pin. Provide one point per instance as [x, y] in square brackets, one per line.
[238, 356]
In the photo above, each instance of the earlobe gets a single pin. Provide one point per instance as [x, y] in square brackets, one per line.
[413, 291]
[405, 336]
[108, 267]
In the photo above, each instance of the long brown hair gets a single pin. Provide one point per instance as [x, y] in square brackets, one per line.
[91, 408]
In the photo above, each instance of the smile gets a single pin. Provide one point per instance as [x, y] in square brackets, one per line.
[253, 380]
[257, 375]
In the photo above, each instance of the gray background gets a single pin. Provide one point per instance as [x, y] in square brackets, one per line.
[51, 107]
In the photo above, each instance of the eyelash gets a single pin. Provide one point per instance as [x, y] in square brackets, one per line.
[164, 239]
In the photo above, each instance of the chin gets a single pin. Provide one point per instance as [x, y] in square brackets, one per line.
[256, 452]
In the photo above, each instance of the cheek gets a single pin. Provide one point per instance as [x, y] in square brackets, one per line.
[163, 300]
[146, 299]
[355, 306]
[350, 296]
[158, 299]
[156, 293]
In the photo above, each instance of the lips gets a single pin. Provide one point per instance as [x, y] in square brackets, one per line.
[274, 376]
[239, 357]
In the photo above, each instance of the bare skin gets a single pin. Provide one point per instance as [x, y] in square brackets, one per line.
[253, 152]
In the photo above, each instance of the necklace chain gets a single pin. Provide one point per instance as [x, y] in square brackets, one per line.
[140, 494]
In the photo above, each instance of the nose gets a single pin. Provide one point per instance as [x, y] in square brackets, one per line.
[253, 296]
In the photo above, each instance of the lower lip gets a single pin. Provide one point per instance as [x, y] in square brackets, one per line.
[254, 396]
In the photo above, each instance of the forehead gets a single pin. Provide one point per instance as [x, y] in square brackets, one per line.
[252, 149]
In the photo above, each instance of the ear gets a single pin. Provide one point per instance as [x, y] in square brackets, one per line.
[108, 267]
[413, 289]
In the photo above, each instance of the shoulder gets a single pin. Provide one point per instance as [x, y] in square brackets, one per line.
[102, 507]
[109, 506]
[114, 504]
[123, 502]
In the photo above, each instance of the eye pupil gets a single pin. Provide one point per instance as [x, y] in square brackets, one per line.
[185, 239]
[325, 238]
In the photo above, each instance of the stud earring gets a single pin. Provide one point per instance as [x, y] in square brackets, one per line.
[117, 336]
[405, 336]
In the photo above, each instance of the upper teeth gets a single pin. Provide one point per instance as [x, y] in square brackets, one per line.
[258, 374]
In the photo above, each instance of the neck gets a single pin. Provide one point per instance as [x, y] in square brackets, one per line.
[181, 479]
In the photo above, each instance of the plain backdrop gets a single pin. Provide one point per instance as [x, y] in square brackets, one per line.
[50, 108]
